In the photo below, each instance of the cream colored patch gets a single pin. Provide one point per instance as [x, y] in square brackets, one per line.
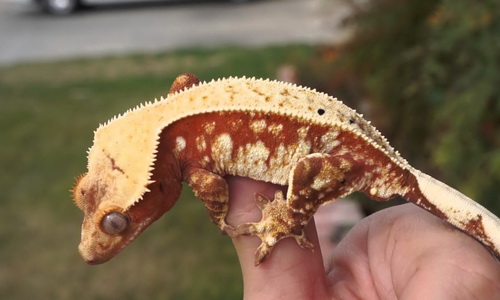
[201, 143]
[270, 240]
[321, 181]
[251, 160]
[209, 127]
[280, 162]
[222, 149]
[302, 132]
[329, 141]
[236, 124]
[180, 144]
[205, 161]
[258, 126]
[285, 157]
[328, 173]
[275, 129]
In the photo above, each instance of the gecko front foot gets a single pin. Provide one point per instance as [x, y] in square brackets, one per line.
[277, 223]
[228, 230]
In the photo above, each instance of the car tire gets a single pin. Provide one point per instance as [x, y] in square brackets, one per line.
[60, 7]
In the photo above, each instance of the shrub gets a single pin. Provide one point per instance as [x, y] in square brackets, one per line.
[426, 72]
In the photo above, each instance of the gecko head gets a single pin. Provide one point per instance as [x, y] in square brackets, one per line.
[107, 227]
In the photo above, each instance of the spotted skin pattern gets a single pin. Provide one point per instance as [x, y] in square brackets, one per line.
[266, 130]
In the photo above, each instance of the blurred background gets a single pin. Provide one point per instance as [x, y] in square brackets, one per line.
[424, 71]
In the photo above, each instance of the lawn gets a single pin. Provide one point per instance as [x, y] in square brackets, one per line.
[48, 112]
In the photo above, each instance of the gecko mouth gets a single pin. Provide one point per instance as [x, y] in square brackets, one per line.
[99, 253]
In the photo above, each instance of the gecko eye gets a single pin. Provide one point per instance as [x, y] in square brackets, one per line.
[114, 223]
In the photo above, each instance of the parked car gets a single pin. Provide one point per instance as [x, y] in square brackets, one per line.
[58, 7]
[66, 7]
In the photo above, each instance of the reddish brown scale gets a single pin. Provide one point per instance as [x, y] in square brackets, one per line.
[371, 169]
[87, 199]
[374, 161]
[475, 227]
[361, 154]
[378, 169]
[104, 246]
[166, 186]
[182, 82]
[415, 195]
[237, 125]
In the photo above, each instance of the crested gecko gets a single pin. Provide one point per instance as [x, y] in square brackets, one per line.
[266, 130]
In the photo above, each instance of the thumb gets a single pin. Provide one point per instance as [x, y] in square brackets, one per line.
[290, 272]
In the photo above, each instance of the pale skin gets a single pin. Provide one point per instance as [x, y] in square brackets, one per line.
[398, 253]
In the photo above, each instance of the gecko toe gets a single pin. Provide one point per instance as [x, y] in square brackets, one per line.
[304, 242]
[229, 230]
[245, 229]
[262, 253]
[261, 201]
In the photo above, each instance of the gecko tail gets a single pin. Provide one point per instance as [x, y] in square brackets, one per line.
[459, 210]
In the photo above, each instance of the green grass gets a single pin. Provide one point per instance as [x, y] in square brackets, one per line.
[48, 112]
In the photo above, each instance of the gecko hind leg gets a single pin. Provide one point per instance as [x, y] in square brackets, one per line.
[315, 179]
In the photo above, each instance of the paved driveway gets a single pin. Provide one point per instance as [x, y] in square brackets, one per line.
[26, 34]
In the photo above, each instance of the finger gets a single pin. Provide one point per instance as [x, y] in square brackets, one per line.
[290, 272]
[406, 253]
[466, 269]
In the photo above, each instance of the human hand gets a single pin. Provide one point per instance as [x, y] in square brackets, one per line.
[398, 253]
